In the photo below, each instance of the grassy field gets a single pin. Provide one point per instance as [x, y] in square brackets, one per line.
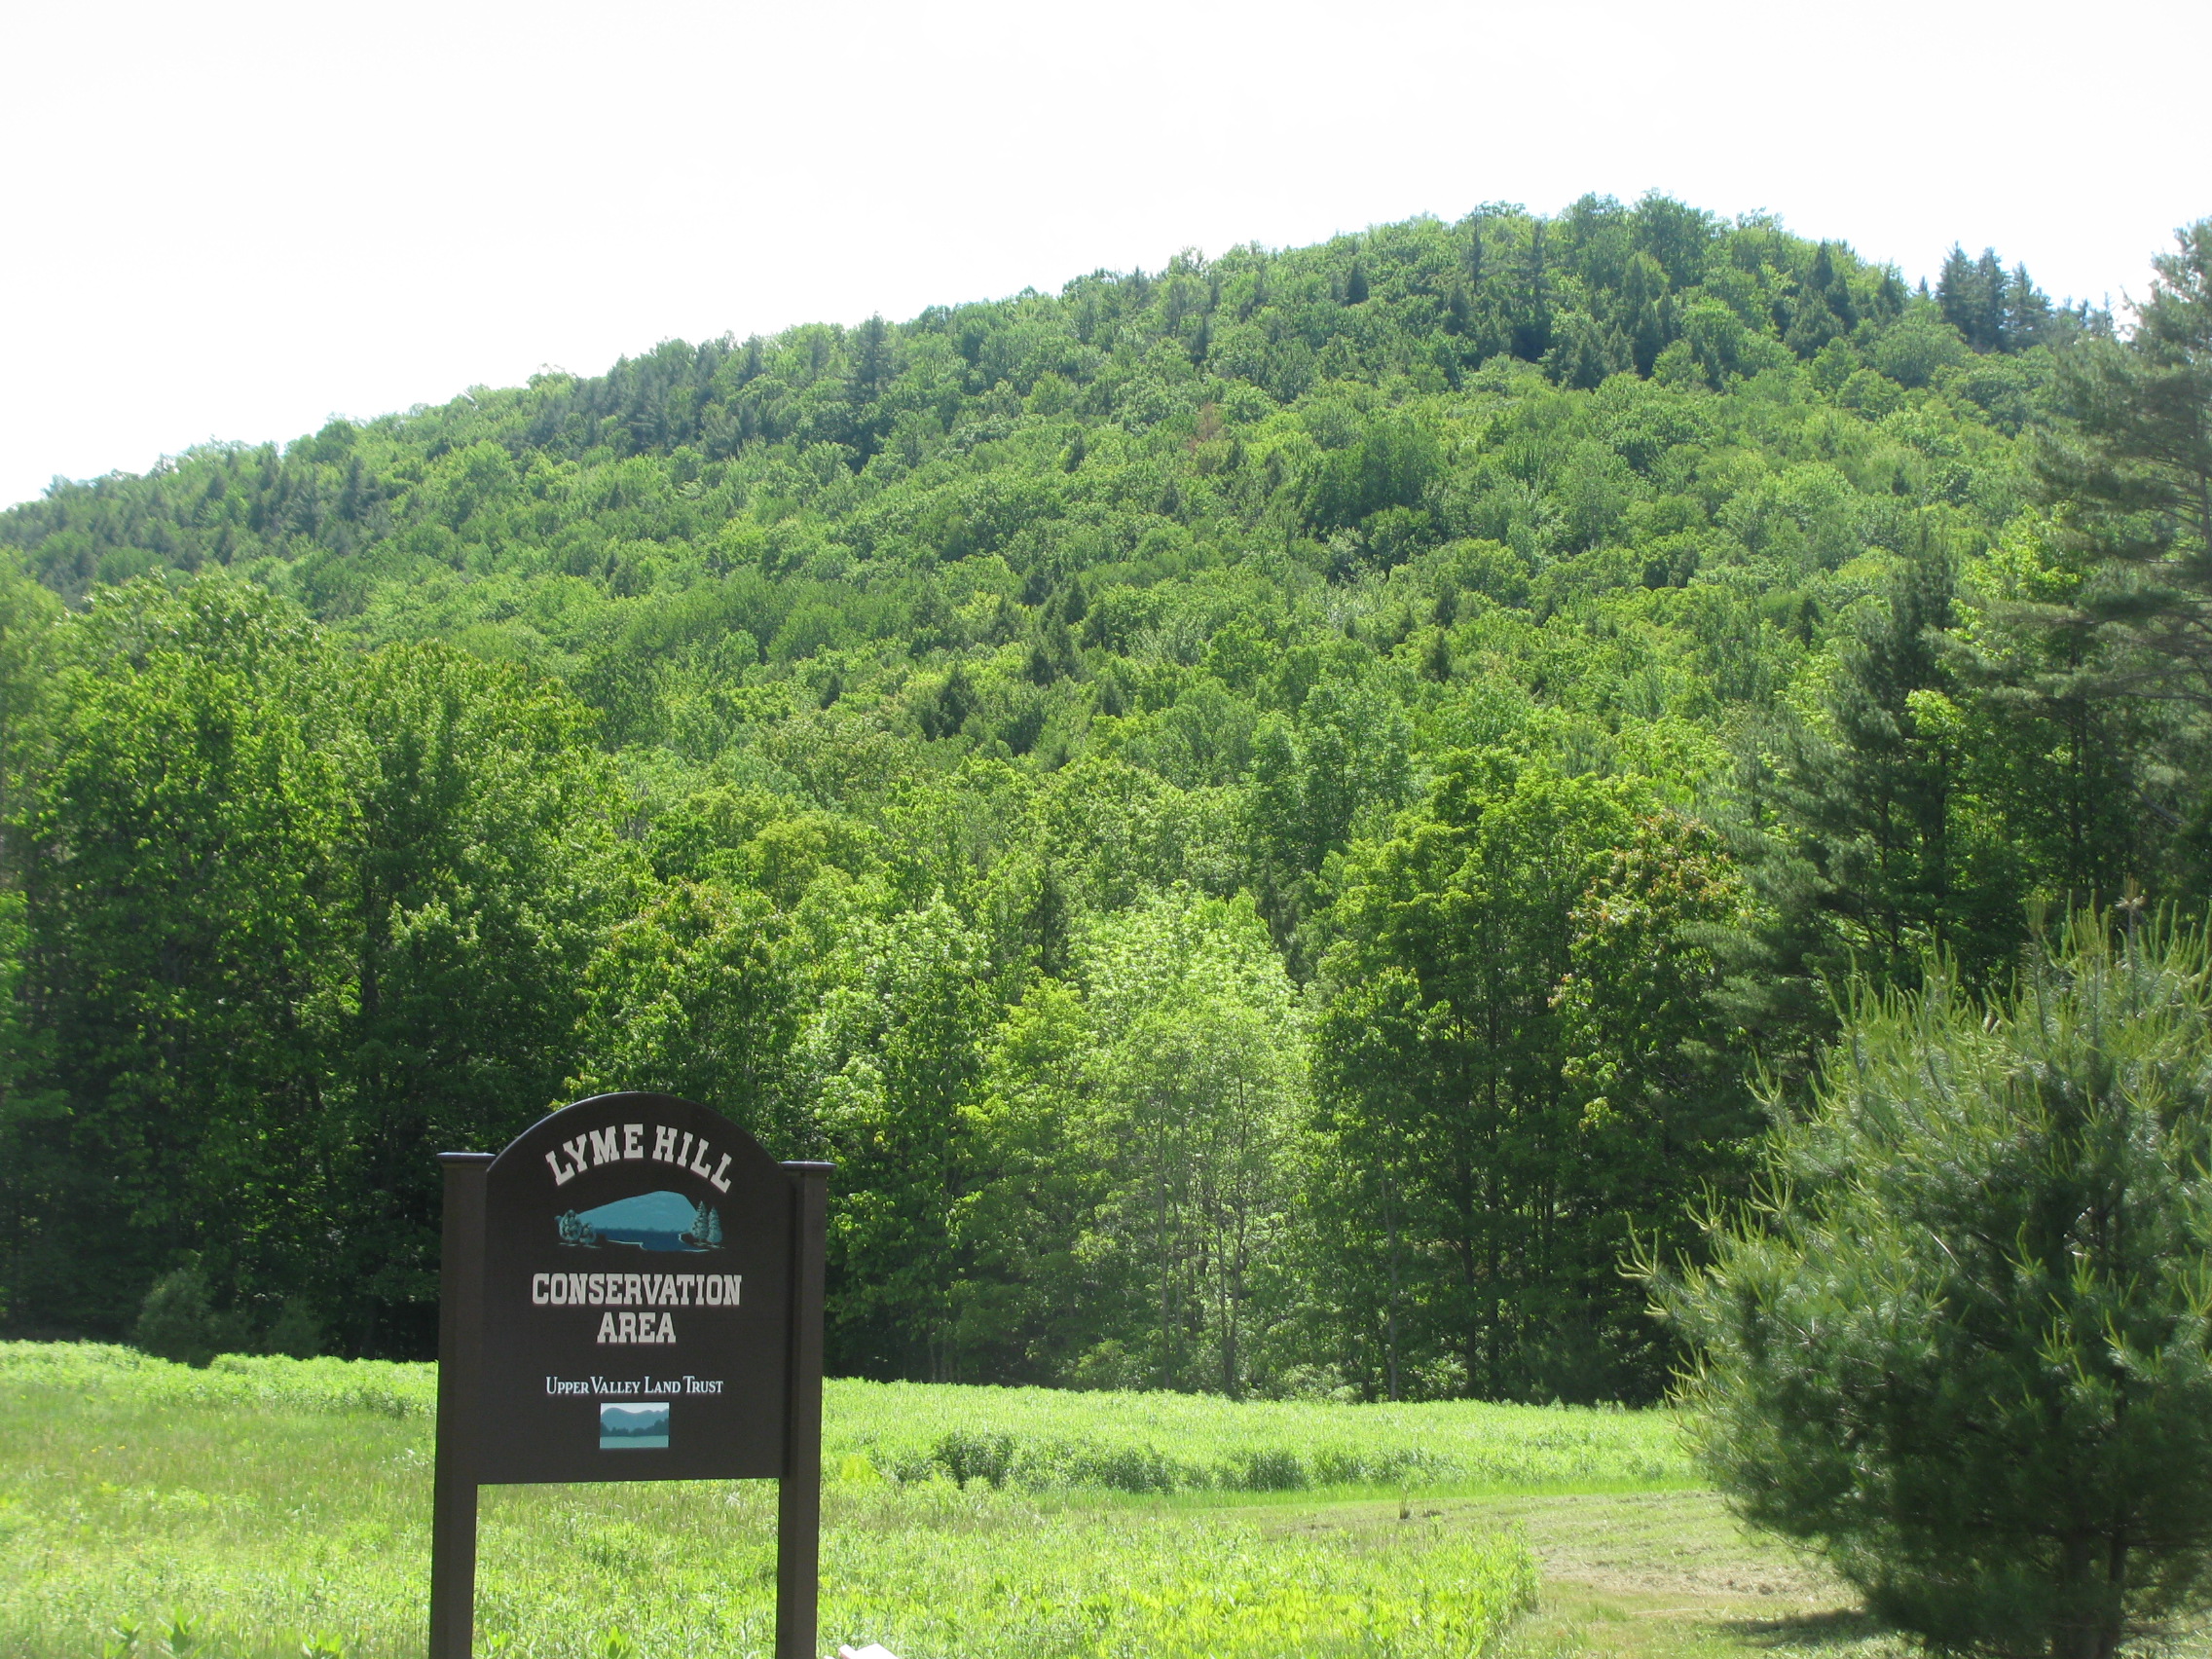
[267, 1507]
[1028, 1439]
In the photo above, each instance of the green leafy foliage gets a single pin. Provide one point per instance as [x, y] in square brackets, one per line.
[1263, 812]
[291, 915]
[177, 1323]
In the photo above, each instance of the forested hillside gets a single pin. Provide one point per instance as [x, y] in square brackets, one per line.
[1267, 814]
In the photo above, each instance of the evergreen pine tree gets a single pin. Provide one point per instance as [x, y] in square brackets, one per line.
[2132, 470]
[1874, 800]
[1962, 1346]
[1958, 293]
[1533, 329]
[2028, 312]
[870, 358]
[1827, 281]
[1990, 286]
[1643, 291]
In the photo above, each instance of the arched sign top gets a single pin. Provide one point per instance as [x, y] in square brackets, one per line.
[690, 1144]
[637, 1297]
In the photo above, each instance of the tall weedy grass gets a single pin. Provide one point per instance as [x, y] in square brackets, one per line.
[1032, 1439]
[269, 1506]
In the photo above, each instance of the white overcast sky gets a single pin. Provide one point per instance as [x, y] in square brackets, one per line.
[232, 220]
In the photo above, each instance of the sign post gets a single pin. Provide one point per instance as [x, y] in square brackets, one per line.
[630, 1290]
[461, 1317]
[798, 1490]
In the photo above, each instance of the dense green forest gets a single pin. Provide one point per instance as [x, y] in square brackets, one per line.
[1277, 818]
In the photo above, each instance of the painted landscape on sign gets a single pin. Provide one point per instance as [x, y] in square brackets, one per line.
[633, 1428]
[650, 1221]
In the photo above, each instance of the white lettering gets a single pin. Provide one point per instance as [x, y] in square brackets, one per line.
[699, 1163]
[633, 1140]
[537, 1291]
[719, 1180]
[658, 1329]
[685, 1157]
[664, 1144]
[735, 1282]
[559, 1175]
[714, 1296]
[604, 1145]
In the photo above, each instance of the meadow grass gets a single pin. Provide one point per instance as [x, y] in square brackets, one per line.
[273, 1503]
[1035, 1440]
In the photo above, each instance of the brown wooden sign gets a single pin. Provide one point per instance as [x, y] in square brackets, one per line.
[632, 1290]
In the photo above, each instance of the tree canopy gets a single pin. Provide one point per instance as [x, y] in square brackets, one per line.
[1265, 812]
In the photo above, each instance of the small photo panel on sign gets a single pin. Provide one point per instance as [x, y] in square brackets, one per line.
[633, 1428]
